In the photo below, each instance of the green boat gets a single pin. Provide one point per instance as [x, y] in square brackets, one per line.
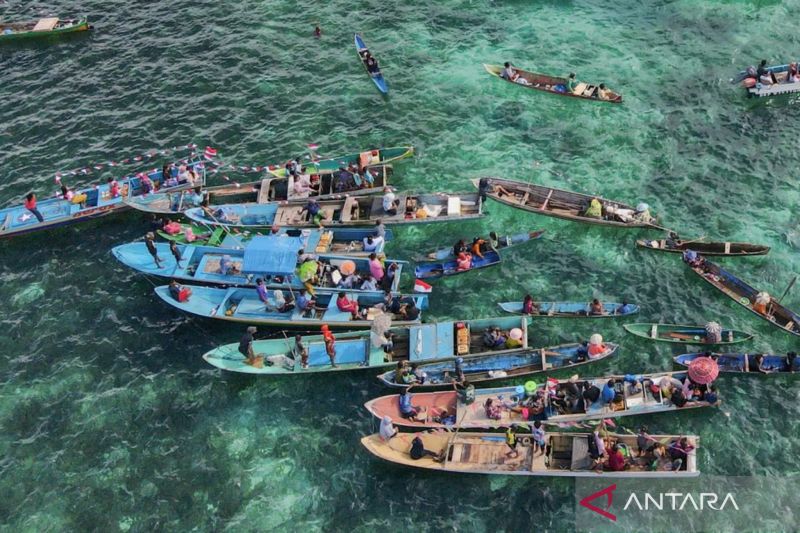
[18, 31]
[367, 158]
[682, 334]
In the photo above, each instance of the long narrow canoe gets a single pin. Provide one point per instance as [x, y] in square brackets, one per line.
[449, 268]
[377, 78]
[682, 334]
[364, 159]
[338, 241]
[244, 306]
[350, 211]
[362, 350]
[567, 455]
[559, 203]
[703, 248]
[572, 309]
[494, 366]
[96, 201]
[503, 242]
[745, 295]
[559, 405]
[18, 31]
[260, 259]
[743, 363]
[553, 85]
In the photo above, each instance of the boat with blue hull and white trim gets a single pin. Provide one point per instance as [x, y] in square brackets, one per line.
[350, 211]
[746, 363]
[375, 73]
[450, 268]
[571, 309]
[271, 258]
[417, 343]
[780, 82]
[91, 202]
[245, 306]
[493, 242]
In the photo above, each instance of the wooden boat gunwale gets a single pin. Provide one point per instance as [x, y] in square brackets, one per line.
[537, 79]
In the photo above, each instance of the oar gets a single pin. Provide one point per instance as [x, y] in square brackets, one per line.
[787, 290]
[694, 240]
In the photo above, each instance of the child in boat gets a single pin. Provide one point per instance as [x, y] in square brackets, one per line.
[409, 411]
[493, 410]
[539, 437]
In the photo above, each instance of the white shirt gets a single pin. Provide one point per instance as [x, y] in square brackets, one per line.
[388, 200]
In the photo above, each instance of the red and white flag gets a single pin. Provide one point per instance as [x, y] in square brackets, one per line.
[421, 286]
[313, 146]
[210, 153]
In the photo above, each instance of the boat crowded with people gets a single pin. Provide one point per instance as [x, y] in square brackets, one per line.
[555, 455]
[382, 347]
[499, 363]
[769, 80]
[568, 205]
[555, 401]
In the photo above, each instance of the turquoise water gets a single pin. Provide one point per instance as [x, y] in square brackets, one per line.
[110, 420]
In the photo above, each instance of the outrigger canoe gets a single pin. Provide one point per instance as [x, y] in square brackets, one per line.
[338, 241]
[744, 363]
[503, 242]
[362, 350]
[682, 334]
[450, 268]
[494, 366]
[572, 309]
[554, 85]
[377, 77]
[244, 306]
[270, 258]
[446, 408]
[19, 31]
[350, 211]
[86, 204]
[745, 295]
[561, 204]
[567, 455]
[703, 248]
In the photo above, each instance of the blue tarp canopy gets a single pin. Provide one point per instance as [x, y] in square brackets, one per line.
[271, 254]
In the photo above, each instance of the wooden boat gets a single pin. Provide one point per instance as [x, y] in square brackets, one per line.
[494, 366]
[683, 334]
[567, 455]
[35, 29]
[338, 241]
[445, 408]
[755, 89]
[744, 363]
[377, 78]
[244, 306]
[703, 248]
[350, 211]
[553, 85]
[559, 203]
[97, 202]
[271, 258]
[372, 158]
[356, 350]
[449, 268]
[503, 242]
[572, 309]
[745, 295]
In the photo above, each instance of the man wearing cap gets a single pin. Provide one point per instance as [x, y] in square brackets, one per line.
[246, 345]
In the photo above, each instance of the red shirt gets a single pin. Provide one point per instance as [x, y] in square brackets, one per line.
[30, 204]
[616, 461]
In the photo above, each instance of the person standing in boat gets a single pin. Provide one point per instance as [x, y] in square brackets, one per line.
[330, 344]
[176, 253]
[300, 351]
[30, 205]
[380, 229]
[149, 242]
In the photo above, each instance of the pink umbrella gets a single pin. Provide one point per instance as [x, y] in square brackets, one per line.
[703, 370]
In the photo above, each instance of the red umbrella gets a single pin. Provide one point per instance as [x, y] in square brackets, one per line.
[703, 370]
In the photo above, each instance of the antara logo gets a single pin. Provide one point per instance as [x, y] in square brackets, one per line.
[670, 501]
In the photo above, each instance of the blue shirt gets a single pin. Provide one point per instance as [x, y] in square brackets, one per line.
[608, 393]
[405, 403]
[301, 302]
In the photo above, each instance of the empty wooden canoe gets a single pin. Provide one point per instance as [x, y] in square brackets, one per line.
[683, 334]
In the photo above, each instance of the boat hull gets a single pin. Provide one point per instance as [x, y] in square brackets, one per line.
[684, 334]
[742, 363]
[547, 84]
[570, 309]
[705, 248]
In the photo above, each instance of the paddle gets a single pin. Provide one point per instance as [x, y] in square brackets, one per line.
[694, 240]
[787, 289]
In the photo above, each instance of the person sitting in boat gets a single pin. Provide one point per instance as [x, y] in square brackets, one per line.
[181, 294]
[493, 410]
[596, 346]
[509, 73]
[369, 283]
[407, 410]
[625, 308]
[679, 451]
[514, 339]
[477, 245]
[792, 362]
[301, 187]
[387, 281]
[572, 83]
[642, 214]
[609, 391]
[529, 307]
[596, 307]
[595, 209]
[418, 373]
[303, 303]
[765, 74]
[314, 211]
[673, 240]
[591, 394]
[616, 461]
[390, 202]
[463, 262]
[418, 451]
[387, 430]
[409, 311]
[344, 304]
[282, 303]
[603, 93]
[459, 248]
[693, 259]
[761, 303]
[762, 366]
[369, 244]
[226, 266]
[493, 338]
[113, 188]
[372, 64]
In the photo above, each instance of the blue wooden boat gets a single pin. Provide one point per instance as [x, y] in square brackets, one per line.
[449, 268]
[360, 350]
[350, 211]
[271, 258]
[744, 363]
[632, 399]
[244, 306]
[377, 78]
[755, 89]
[503, 242]
[501, 365]
[572, 309]
[86, 204]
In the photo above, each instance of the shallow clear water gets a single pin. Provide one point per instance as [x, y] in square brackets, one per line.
[110, 420]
